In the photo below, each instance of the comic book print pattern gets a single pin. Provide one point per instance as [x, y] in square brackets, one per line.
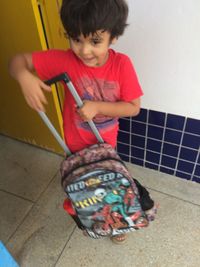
[106, 204]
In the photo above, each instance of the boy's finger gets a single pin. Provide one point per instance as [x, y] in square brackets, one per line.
[40, 107]
[36, 105]
[46, 87]
[44, 100]
[41, 98]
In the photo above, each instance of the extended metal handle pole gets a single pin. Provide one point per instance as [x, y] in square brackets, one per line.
[64, 77]
[54, 132]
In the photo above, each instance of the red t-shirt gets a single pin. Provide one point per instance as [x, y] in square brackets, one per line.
[115, 81]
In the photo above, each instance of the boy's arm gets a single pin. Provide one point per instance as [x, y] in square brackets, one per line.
[117, 109]
[21, 68]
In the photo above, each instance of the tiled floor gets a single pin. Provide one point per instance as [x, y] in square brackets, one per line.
[37, 232]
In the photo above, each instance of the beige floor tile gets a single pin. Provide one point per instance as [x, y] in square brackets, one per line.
[172, 240]
[41, 234]
[25, 169]
[12, 212]
[168, 184]
[44, 233]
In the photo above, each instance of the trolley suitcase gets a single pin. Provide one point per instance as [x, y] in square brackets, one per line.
[101, 193]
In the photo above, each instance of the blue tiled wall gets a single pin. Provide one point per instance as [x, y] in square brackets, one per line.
[163, 142]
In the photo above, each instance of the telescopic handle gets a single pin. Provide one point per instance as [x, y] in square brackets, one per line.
[65, 78]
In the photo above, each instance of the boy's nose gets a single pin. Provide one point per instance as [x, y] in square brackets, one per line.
[85, 50]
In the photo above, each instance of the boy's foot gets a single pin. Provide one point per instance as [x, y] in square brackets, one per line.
[151, 214]
[119, 239]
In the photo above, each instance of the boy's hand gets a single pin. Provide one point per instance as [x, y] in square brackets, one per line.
[88, 111]
[32, 89]
[110, 109]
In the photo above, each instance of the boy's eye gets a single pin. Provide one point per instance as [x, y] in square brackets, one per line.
[76, 40]
[96, 41]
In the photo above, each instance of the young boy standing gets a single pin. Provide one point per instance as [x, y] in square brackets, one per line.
[105, 80]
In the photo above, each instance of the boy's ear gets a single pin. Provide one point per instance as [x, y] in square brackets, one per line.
[114, 40]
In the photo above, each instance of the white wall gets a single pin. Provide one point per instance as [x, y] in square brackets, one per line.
[163, 41]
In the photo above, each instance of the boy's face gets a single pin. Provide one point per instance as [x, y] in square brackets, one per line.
[93, 49]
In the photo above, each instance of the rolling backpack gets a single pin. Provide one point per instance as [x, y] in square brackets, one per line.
[101, 194]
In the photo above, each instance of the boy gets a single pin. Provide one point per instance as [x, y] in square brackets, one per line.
[104, 79]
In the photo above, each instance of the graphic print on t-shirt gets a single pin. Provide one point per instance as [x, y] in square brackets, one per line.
[98, 90]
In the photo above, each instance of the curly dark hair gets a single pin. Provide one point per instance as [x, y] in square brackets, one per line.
[88, 16]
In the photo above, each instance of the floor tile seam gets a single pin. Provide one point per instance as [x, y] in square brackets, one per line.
[18, 196]
[69, 238]
[20, 223]
[35, 147]
[32, 207]
[172, 196]
[47, 186]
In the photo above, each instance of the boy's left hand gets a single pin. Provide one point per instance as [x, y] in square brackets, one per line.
[88, 111]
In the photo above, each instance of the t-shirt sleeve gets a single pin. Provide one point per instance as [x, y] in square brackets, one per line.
[129, 84]
[49, 63]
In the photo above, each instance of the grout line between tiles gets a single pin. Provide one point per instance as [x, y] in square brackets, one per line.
[65, 245]
[146, 139]
[15, 195]
[172, 196]
[162, 144]
[34, 203]
[20, 223]
[50, 181]
[179, 150]
[195, 165]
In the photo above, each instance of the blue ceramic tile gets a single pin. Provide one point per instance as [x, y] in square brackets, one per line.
[185, 166]
[173, 137]
[138, 141]
[124, 158]
[188, 154]
[123, 149]
[124, 137]
[156, 118]
[152, 157]
[196, 179]
[154, 145]
[137, 152]
[191, 141]
[168, 162]
[124, 125]
[175, 122]
[137, 161]
[197, 170]
[166, 170]
[193, 126]
[170, 150]
[155, 132]
[151, 166]
[138, 128]
[142, 116]
[198, 159]
[183, 175]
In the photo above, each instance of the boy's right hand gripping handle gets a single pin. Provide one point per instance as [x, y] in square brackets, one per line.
[64, 77]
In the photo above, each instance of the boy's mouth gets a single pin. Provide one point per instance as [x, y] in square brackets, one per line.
[88, 61]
